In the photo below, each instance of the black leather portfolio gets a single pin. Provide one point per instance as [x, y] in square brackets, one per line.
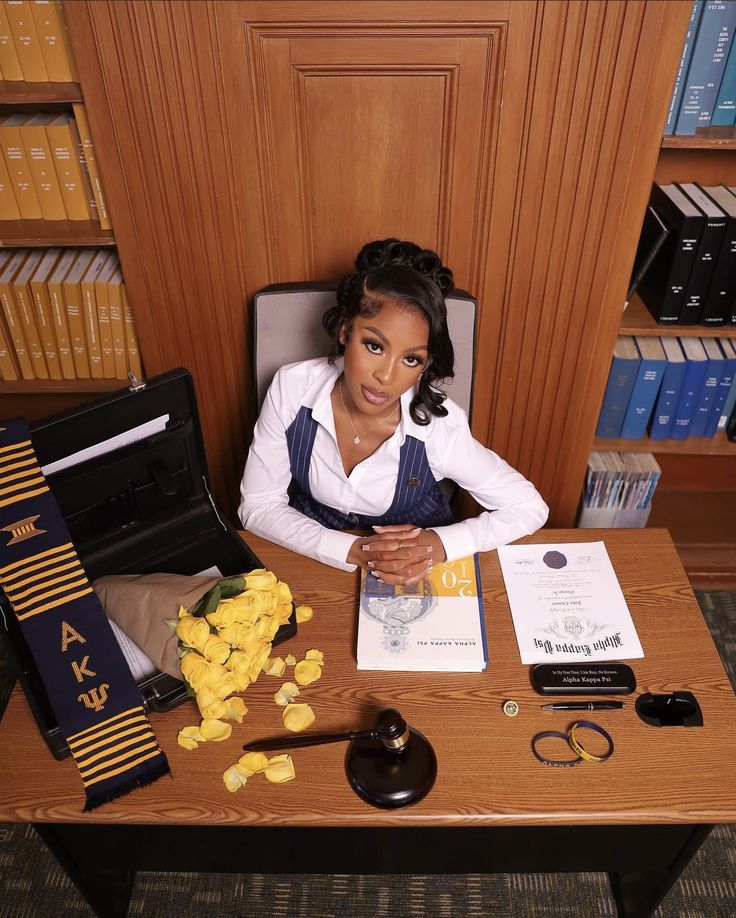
[136, 500]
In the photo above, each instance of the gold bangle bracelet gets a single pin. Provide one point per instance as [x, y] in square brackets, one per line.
[581, 751]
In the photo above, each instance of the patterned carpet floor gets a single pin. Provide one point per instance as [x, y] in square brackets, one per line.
[32, 885]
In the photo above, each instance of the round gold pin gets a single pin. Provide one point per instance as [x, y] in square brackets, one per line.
[510, 708]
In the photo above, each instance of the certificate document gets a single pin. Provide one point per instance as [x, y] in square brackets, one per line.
[566, 604]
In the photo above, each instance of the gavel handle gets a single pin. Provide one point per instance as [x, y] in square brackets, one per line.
[317, 739]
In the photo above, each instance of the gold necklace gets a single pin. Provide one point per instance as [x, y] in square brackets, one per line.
[357, 437]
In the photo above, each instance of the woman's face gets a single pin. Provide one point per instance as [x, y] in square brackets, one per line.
[384, 357]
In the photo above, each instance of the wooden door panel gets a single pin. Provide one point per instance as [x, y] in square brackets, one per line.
[244, 143]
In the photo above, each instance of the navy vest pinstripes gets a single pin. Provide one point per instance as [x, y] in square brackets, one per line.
[417, 499]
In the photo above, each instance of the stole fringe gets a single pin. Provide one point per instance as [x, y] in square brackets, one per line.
[153, 773]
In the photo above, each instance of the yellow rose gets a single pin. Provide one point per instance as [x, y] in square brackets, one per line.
[283, 592]
[260, 579]
[210, 706]
[239, 636]
[259, 661]
[223, 686]
[195, 669]
[192, 631]
[215, 649]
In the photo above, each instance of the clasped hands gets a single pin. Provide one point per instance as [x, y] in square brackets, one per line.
[398, 554]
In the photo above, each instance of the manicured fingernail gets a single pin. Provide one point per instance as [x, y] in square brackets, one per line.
[366, 547]
[429, 549]
[378, 528]
[415, 531]
[371, 564]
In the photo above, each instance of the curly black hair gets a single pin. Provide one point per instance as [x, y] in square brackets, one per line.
[391, 269]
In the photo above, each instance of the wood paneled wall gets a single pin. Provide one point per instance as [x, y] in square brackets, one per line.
[245, 143]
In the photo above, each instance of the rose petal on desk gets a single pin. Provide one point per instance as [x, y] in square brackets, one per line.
[298, 717]
[286, 694]
[190, 738]
[315, 655]
[307, 671]
[214, 730]
[304, 613]
[280, 769]
[274, 667]
[254, 762]
[290, 660]
[235, 777]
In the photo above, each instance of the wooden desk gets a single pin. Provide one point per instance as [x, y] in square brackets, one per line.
[640, 816]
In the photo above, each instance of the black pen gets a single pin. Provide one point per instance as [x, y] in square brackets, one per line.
[585, 706]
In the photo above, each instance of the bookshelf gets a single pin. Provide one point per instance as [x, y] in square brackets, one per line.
[696, 496]
[39, 397]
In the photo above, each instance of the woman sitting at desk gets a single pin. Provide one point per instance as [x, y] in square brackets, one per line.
[359, 440]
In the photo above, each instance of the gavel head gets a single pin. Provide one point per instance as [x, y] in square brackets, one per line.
[393, 730]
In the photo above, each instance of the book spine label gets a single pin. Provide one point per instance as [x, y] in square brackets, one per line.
[20, 173]
[131, 338]
[75, 320]
[16, 332]
[616, 398]
[702, 271]
[105, 329]
[724, 114]
[683, 68]
[669, 395]
[52, 38]
[9, 61]
[8, 205]
[698, 77]
[706, 399]
[27, 45]
[46, 328]
[33, 339]
[66, 163]
[117, 326]
[643, 396]
[42, 169]
[89, 305]
[61, 328]
[94, 173]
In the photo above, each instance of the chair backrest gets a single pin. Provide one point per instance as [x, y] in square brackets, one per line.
[288, 328]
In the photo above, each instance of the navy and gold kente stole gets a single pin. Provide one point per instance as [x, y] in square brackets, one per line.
[90, 688]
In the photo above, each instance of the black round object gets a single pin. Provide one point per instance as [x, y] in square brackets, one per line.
[391, 778]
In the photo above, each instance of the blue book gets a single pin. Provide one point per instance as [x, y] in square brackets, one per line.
[724, 387]
[713, 373]
[724, 114]
[706, 65]
[646, 387]
[729, 352]
[692, 384]
[669, 391]
[718, 65]
[684, 67]
[618, 389]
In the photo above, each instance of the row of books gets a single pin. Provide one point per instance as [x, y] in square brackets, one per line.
[66, 316]
[34, 45]
[685, 266]
[674, 388]
[48, 169]
[618, 490]
[704, 93]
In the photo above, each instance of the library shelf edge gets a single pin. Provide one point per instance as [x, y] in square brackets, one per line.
[34, 234]
[51, 386]
[23, 93]
[719, 445]
[637, 320]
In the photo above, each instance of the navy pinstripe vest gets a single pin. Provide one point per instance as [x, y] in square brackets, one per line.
[417, 499]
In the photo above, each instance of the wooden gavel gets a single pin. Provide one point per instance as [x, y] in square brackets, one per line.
[391, 730]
